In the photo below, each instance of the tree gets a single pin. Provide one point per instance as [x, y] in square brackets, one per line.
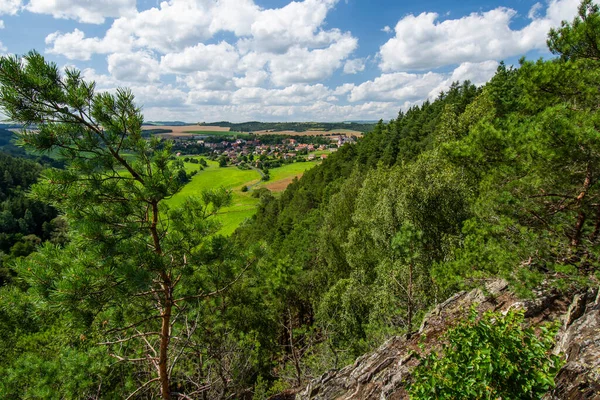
[134, 264]
[579, 39]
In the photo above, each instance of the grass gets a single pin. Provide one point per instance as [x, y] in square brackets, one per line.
[232, 178]
[289, 170]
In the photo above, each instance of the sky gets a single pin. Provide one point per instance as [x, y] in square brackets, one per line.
[276, 60]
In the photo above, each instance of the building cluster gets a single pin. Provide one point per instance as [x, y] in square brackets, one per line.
[238, 149]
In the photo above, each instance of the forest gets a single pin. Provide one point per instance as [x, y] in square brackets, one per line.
[107, 292]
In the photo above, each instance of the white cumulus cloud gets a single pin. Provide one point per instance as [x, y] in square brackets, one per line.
[423, 42]
[134, 67]
[221, 56]
[10, 7]
[93, 12]
[75, 46]
[300, 65]
[354, 66]
[403, 87]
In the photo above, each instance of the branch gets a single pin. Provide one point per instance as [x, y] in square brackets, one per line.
[131, 337]
[204, 295]
[125, 359]
[134, 324]
[141, 387]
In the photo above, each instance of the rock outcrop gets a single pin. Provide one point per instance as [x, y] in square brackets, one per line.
[384, 373]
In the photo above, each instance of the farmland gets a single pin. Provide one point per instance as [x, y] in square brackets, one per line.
[187, 130]
[213, 130]
[334, 132]
[243, 204]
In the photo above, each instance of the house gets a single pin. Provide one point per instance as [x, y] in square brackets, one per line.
[323, 156]
[311, 157]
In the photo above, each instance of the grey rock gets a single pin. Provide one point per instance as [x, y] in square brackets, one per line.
[385, 373]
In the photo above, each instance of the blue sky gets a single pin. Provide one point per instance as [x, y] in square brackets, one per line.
[276, 60]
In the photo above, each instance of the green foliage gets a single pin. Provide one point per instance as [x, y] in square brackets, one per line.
[581, 38]
[24, 222]
[480, 182]
[490, 357]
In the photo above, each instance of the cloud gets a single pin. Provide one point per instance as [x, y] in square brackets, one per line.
[221, 56]
[149, 95]
[233, 60]
[10, 7]
[75, 46]
[138, 67]
[92, 12]
[354, 66]
[1, 24]
[403, 87]
[477, 73]
[177, 24]
[300, 65]
[423, 42]
[294, 94]
[387, 29]
[296, 24]
[251, 79]
[343, 89]
[397, 87]
[534, 11]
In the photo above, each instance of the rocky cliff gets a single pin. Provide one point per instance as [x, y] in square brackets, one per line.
[384, 373]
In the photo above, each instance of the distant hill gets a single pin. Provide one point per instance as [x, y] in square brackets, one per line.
[169, 123]
[252, 126]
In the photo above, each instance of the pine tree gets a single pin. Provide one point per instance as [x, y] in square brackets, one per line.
[132, 263]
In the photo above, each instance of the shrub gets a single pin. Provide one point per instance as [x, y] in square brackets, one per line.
[244, 188]
[489, 358]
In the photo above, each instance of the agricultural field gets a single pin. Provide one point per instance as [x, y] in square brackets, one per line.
[187, 130]
[214, 130]
[334, 132]
[232, 178]
[239, 135]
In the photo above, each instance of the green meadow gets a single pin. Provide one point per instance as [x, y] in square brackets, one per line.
[289, 170]
[232, 178]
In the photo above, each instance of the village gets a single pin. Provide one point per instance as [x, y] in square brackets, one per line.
[237, 151]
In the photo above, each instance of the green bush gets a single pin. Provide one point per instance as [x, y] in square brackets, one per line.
[244, 188]
[489, 358]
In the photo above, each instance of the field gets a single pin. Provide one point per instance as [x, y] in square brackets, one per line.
[213, 130]
[334, 132]
[187, 130]
[218, 133]
[243, 204]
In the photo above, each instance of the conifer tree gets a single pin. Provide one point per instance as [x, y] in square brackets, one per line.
[132, 263]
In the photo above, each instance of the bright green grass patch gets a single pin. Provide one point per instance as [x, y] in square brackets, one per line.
[243, 204]
[231, 178]
[288, 171]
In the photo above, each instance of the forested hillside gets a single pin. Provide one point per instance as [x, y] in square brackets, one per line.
[24, 223]
[145, 301]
